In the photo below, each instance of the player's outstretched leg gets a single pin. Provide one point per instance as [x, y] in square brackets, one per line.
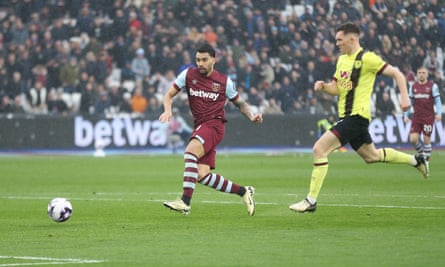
[189, 180]
[422, 165]
[304, 206]
[178, 205]
[319, 171]
[248, 200]
[419, 161]
[219, 183]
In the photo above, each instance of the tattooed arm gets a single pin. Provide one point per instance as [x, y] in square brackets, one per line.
[246, 110]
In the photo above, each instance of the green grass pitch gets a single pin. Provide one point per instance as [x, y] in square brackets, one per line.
[368, 215]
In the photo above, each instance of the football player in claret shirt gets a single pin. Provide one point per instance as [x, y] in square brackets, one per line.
[353, 81]
[425, 100]
[207, 90]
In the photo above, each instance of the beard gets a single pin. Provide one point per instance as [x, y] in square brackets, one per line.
[203, 71]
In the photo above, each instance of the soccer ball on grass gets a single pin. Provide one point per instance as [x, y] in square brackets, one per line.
[60, 209]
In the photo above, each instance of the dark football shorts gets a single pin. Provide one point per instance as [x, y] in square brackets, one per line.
[425, 126]
[352, 130]
[210, 134]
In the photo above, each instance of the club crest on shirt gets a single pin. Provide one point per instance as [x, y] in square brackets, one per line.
[216, 87]
[344, 74]
[194, 81]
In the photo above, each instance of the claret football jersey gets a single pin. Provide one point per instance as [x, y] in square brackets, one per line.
[423, 100]
[207, 94]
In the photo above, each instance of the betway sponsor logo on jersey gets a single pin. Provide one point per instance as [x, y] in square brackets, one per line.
[418, 96]
[204, 94]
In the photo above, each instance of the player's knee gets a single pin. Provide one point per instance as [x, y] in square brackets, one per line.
[317, 151]
[202, 175]
[368, 160]
[371, 158]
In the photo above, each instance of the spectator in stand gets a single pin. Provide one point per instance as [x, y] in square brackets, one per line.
[154, 106]
[210, 35]
[145, 23]
[247, 76]
[441, 27]
[255, 98]
[102, 105]
[118, 51]
[380, 88]
[83, 80]
[166, 81]
[40, 73]
[314, 107]
[150, 91]
[88, 99]
[56, 104]
[138, 101]
[418, 59]
[167, 59]
[120, 23]
[84, 20]
[133, 21]
[96, 68]
[127, 73]
[140, 65]
[266, 71]
[432, 63]
[285, 54]
[105, 62]
[24, 59]
[308, 96]
[385, 106]
[154, 57]
[17, 106]
[19, 32]
[379, 8]
[70, 75]
[60, 31]
[5, 104]
[4, 80]
[94, 46]
[309, 75]
[16, 86]
[371, 40]
[285, 95]
[115, 96]
[272, 107]
[125, 105]
[409, 73]
[12, 65]
[37, 97]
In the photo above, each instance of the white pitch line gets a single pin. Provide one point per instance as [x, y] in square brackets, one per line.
[383, 206]
[232, 202]
[379, 195]
[44, 261]
[211, 193]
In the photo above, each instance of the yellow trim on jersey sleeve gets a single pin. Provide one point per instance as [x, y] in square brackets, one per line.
[371, 65]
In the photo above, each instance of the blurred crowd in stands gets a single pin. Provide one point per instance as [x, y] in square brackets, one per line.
[112, 57]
